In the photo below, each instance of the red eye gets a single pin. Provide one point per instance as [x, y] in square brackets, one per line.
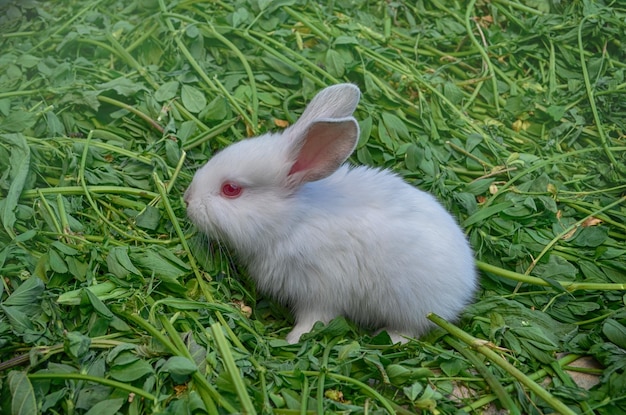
[231, 190]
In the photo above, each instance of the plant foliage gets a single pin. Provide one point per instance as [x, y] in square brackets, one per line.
[511, 112]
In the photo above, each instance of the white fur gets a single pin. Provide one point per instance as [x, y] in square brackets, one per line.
[329, 239]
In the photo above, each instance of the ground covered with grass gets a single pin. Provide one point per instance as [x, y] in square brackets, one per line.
[512, 112]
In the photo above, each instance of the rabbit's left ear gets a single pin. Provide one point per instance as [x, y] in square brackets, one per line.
[320, 149]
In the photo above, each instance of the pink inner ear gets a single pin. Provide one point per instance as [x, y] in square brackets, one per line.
[326, 144]
[310, 153]
[296, 168]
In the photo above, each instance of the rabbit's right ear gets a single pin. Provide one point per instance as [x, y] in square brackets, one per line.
[325, 134]
[322, 148]
[337, 101]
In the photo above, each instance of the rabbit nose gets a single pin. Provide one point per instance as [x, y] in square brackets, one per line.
[186, 197]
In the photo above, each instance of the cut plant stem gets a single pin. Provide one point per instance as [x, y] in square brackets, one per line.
[568, 285]
[498, 389]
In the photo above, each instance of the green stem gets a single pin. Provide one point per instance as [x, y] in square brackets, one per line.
[232, 369]
[366, 389]
[133, 110]
[568, 285]
[538, 375]
[592, 102]
[520, 6]
[174, 221]
[481, 50]
[305, 396]
[103, 381]
[503, 396]
[79, 190]
[321, 381]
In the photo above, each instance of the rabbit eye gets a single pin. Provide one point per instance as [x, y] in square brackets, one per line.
[231, 190]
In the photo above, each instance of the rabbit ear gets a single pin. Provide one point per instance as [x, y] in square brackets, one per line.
[337, 101]
[325, 135]
[322, 148]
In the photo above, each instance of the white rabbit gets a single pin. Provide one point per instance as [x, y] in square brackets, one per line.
[329, 239]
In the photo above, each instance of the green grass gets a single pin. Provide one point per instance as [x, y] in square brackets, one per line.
[511, 112]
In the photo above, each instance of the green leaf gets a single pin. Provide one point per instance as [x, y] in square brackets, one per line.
[413, 391]
[97, 304]
[513, 314]
[169, 255]
[73, 297]
[119, 262]
[23, 400]
[149, 218]
[186, 130]
[193, 99]
[395, 126]
[167, 91]
[63, 248]
[172, 151]
[20, 321]
[132, 371]
[582, 308]
[337, 327]
[592, 272]
[365, 127]
[615, 332]
[179, 366]
[52, 399]
[26, 294]
[240, 16]
[486, 212]
[411, 157]
[18, 171]
[452, 367]
[160, 261]
[479, 187]
[57, 264]
[556, 112]
[5, 106]
[537, 336]
[18, 121]
[334, 63]
[76, 344]
[120, 354]
[108, 407]
[556, 267]
[346, 40]
[217, 110]
[122, 86]
[28, 61]
[348, 351]
[453, 93]
[591, 236]
[55, 126]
